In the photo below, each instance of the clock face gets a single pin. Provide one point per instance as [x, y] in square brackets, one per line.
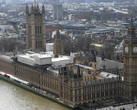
[134, 49]
[126, 49]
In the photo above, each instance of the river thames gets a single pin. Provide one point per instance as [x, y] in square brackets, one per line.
[15, 98]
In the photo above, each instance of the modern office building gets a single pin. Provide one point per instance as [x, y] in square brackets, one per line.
[57, 12]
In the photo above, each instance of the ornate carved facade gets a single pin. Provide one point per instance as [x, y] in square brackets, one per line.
[75, 84]
[76, 91]
[6, 64]
[58, 45]
[35, 28]
[38, 76]
[130, 63]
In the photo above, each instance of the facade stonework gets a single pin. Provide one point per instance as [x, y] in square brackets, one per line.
[69, 84]
[35, 28]
[37, 76]
[130, 63]
[74, 84]
[58, 45]
[6, 65]
[76, 91]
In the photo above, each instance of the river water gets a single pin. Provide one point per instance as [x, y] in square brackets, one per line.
[15, 98]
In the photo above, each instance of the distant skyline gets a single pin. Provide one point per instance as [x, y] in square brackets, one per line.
[56, 1]
[61, 1]
[72, 1]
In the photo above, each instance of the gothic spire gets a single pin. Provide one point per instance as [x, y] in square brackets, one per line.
[27, 9]
[35, 3]
[131, 29]
[93, 56]
[35, 6]
[38, 8]
[32, 8]
[43, 9]
[57, 34]
[58, 44]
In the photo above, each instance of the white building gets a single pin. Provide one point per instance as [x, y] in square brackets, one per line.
[44, 58]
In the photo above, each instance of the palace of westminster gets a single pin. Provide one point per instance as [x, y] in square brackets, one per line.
[64, 76]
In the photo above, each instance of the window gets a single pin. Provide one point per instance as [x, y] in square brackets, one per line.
[40, 29]
[79, 98]
[89, 96]
[75, 99]
[115, 92]
[93, 95]
[71, 91]
[102, 94]
[79, 84]
[98, 95]
[84, 97]
[61, 95]
[40, 43]
[110, 92]
[36, 44]
[61, 88]
[35, 29]
[75, 83]
[75, 92]
[70, 98]
[79, 91]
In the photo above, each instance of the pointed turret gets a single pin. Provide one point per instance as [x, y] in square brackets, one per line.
[35, 29]
[27, 9]
[57, 34]
[43, 9]
[94, 65]
[131, 31]
[93, 56]
[58, 45]
[38, 10]
[35, 6]
[32, 8]
[35, 3]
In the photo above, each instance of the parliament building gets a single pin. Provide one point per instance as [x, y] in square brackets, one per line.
[75, 84]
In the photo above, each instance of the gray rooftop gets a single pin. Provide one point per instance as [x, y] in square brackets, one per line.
[107, 75]
[101, 81]
[52, 72]
[109, 64]
[6, 58]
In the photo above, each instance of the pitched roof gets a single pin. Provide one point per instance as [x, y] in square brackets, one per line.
[109, 64]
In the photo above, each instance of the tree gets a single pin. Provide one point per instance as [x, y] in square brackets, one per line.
[83, 43]
[9, 45]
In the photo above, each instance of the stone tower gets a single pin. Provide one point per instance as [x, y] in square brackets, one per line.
[35, 28]
[71, 85]
[130, 63]
[58, 45]
[94, 64]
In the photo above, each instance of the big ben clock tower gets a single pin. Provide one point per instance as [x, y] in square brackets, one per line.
[130, 63]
